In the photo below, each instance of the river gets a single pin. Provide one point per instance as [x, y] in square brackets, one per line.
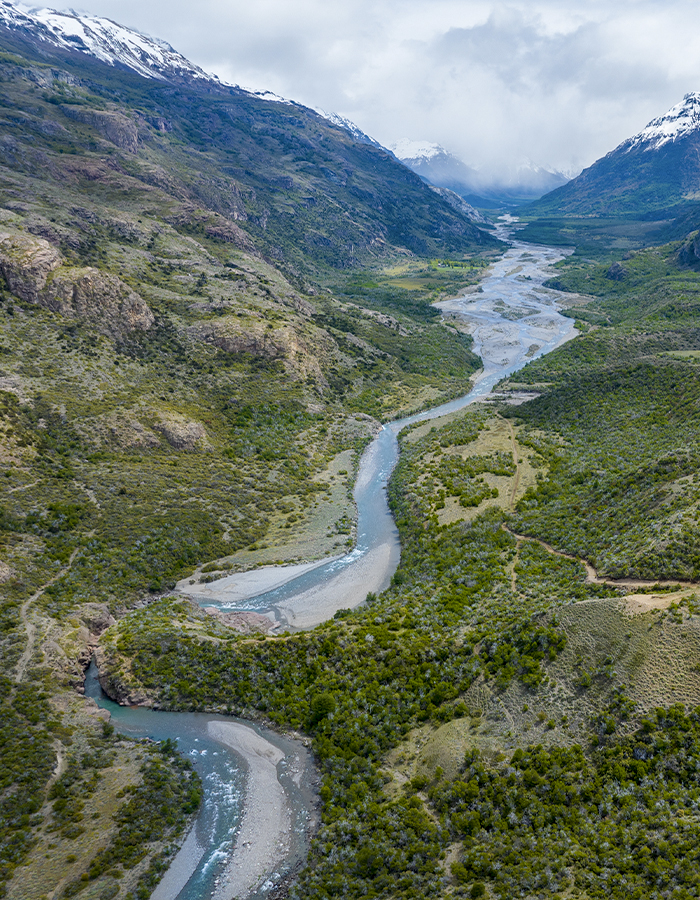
[246, 769]
[512, 319]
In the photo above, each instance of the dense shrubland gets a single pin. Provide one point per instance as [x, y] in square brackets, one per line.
[27, 730]
[359, 684]
[620, 489]
[616, 821]
[596, 811]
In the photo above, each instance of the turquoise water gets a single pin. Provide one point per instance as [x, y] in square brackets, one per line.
[223, 775]
[513, 320]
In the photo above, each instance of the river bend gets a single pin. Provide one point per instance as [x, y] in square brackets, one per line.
[258, 785]
[513, 319]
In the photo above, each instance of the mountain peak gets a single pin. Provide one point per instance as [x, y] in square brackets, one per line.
[102, 38]
[408, 149]
[680, 120]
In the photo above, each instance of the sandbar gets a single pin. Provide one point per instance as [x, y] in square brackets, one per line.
[242, 586]
[264, 837]
[346, 590]
[181, 869]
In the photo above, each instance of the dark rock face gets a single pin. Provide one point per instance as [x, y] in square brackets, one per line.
[616, 272]
[689, 252]
[114, 687]
[116, 128]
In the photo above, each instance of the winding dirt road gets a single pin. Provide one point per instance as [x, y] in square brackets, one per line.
[592, 576]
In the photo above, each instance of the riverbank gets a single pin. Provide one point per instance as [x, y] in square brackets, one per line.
[305, 595]
[263, 839]
[513, 318]
[233, 589]
[260, 808]
[268, 842]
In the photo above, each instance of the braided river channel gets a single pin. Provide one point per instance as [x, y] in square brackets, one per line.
[259, 806]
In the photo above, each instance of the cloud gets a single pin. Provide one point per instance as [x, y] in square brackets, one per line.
[557, 82]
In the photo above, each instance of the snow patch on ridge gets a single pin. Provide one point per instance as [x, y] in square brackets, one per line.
[102, 38]
[269, 96]
[350, 126]
[111, 43]
[680, 120]
[408, 149]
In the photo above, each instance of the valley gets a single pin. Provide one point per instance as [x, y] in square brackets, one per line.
[314, 463]
[320, 591]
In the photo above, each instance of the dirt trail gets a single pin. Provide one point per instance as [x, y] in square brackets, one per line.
[592, 576]
[29, 626]
[61, 764]
[516, 480]
[513, 576]
[22, 487]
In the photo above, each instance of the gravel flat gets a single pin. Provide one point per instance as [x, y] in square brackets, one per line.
[263, 840]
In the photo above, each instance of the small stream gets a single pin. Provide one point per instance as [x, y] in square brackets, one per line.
[512, 319]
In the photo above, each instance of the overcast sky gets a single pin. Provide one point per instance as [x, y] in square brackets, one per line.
[557, 82]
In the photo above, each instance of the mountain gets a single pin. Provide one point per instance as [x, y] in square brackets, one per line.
[438, 166]
[193, 356]
[654, 172]
[479, 187]
[305, 191]
[102, 39]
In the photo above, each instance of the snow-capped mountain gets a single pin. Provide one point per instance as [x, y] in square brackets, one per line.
[102, 38]
[406, 149]
[118, 45]
[657, 169]
[436, 165]
[681, 120]
[481, 187]
[350, 126]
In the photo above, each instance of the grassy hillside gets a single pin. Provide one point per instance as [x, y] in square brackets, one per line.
[635, 179]
[211, 161]
[478, 723]
[188, 375]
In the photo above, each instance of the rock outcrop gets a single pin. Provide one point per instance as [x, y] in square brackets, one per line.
[299, 357]
[616, 272]
[214, 226]
[179, 432]
[689, 252]
[33, 270]
[26, 264]
[112, 682]
[100, 297]
[115, 127]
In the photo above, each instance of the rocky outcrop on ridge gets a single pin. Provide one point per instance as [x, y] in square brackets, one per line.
[34, 270]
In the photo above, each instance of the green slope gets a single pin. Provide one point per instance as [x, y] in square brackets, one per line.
[307, 194]
[499, 722]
